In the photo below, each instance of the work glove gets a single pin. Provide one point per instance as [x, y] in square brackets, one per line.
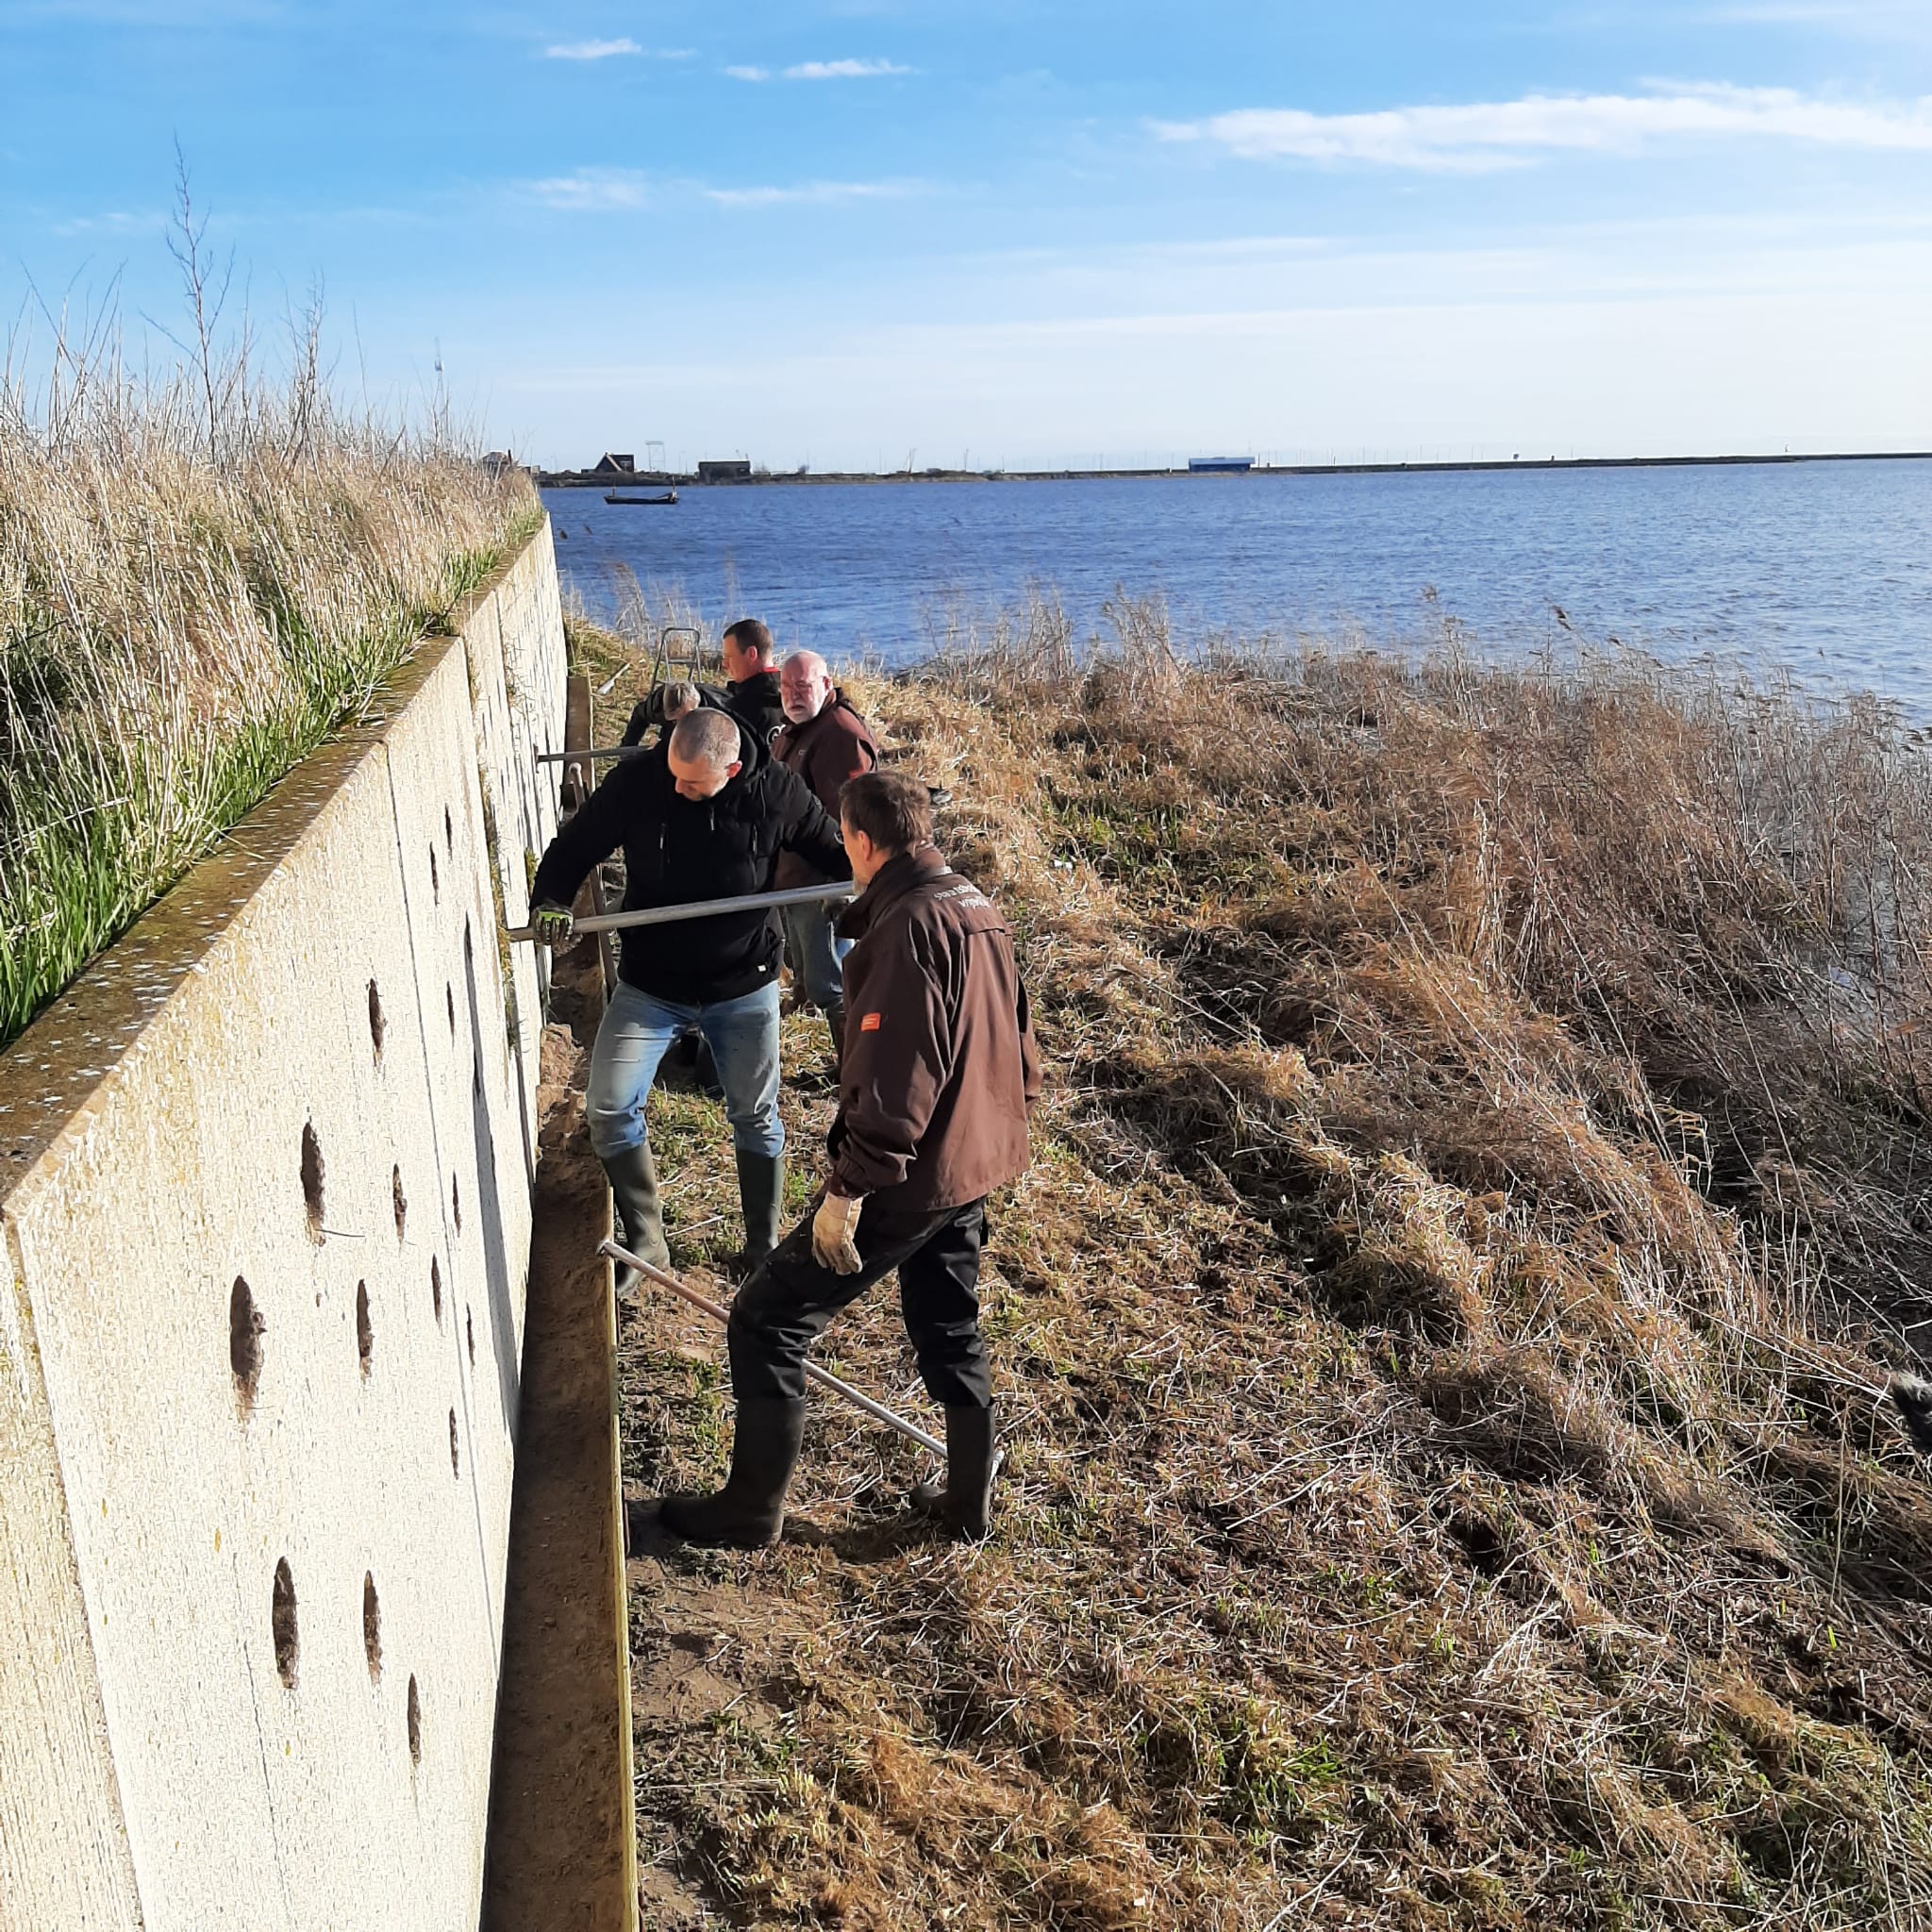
[835, 1234]
[551, 924]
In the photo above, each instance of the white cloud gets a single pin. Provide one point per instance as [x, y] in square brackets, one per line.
[819, 192]
[823, 70]
[606, 50]
[843, 69]
[593, 188]
[590, 50]
[1503, 134]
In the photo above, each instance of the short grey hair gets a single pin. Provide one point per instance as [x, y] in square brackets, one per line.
[808, 661]
[708, 736]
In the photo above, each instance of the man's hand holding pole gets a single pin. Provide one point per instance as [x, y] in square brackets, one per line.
[551, 924]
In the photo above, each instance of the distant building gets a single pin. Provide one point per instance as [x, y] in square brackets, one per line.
[1234, 464]
[499, 462]
[732, 470]
[615, 463]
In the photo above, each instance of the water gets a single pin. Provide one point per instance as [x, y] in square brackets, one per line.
[1824, 568]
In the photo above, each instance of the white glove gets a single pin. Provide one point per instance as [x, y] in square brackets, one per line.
[834, 1234]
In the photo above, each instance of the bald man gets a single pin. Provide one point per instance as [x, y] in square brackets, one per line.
[700, 817]
[827, 744]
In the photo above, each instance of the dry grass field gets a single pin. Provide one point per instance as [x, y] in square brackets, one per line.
[1481, 1192]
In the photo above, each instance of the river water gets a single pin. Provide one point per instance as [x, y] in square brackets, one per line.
[1824, 569]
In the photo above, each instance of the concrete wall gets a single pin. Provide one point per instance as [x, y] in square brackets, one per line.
[265, 1179]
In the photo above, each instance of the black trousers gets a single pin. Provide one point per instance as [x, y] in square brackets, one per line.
[789, 1301]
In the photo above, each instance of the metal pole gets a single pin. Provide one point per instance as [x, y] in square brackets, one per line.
[823, 1378]
[702, 908]
[584, 757]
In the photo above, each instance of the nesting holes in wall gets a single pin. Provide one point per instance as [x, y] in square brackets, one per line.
[372, 1625]
[436, 1288]
[282, 1622]
[400, 1200]
[449, 993]
[456, 1203]
[244, 1343]
[415, 1723]
[449, 832]
[376, 1020]
[456, 1456]
[435, 882]
[311, 1178]
[365, 1330]
[470, 1331]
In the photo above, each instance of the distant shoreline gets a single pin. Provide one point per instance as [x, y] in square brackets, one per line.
[584, 479]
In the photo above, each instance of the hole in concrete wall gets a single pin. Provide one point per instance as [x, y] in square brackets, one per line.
[311, 1178]
[365, 1330]
[372, 1625]
[456, 1458]
[415, 1723]
[449, 993]
[282, 1621]
[399, 1198]
[468, 945]
[449, 832]
[376, 1022]
[470, 1331]
[456, 1203]
[436, 1288]
[435, 883]
[244, 1343]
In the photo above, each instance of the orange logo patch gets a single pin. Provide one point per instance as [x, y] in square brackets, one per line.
[870, 1022]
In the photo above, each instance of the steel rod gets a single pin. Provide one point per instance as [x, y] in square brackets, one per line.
[584, 757]
[823, 1378]
[701, 909]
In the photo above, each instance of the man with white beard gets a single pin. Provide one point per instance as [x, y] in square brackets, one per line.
[827, 744]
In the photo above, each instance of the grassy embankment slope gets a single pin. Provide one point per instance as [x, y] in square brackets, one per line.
[196, 587]
[1482, 1183]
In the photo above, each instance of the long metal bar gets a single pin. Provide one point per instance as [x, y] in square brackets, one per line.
[585, 757]
[701, 909]
[823, 1378]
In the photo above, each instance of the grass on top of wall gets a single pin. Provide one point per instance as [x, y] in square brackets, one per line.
[197, 586]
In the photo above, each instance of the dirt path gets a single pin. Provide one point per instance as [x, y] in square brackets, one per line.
[560, 1828]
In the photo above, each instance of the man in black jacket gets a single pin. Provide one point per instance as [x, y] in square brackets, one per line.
[703, 816]
[751, 692]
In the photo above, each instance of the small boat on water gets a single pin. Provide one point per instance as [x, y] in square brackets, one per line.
[666, 496]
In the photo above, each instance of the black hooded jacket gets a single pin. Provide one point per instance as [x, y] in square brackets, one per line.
[753, 700]
[678, 850]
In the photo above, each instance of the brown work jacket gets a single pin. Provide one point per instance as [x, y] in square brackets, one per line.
[825, 751]
[938, 1065]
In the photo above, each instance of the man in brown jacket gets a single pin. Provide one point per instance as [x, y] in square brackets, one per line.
[826, 742]
[939, 1073]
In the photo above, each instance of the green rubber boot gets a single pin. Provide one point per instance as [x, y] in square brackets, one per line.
[634, 1183]
[964, 1501]
[761, 1194]
[749, 1511]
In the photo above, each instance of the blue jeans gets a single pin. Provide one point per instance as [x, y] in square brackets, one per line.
[638, 1030]
[815, 953]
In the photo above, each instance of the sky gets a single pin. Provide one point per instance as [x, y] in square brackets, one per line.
[1019, 232]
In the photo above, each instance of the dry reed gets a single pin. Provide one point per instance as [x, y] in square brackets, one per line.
[1478, 1198]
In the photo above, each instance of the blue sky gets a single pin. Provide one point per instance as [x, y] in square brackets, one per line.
[838, 234]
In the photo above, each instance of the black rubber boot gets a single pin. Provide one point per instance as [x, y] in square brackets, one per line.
[761, 1194]
[835, 1020]
[749, 1511]
[964, 1501]
[634, 1183]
